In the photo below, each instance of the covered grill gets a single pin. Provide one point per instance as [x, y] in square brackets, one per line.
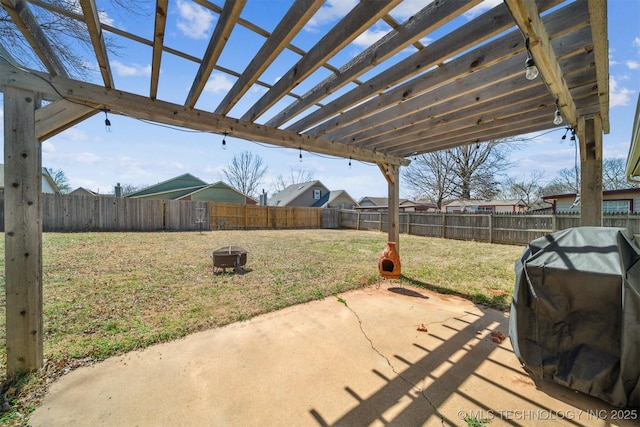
[229, 257]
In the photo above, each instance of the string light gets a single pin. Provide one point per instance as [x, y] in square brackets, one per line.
[349, 162]
[530, 69]
[557, 117]
[300, 154]
[107, 122]
[224, 140]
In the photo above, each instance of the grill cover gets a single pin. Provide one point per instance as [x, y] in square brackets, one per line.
[575, 314]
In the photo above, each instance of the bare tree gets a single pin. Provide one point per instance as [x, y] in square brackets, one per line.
[245, 173]
[527, 189]
[468, 172]
[60, 179]
[568, 180]
[296, 176]
[613, 175]
[60, 30]
[430, 176]
[477, 168]
[131, 188]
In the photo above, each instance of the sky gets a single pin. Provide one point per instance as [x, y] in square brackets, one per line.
[140, 153]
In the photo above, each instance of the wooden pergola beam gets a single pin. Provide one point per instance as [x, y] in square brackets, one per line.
[142, 107]
[158, 43]
[294, 20]
[431, 17]
[355, 22]
[59, 116]
[527, 17]
[226, 21]
[92, 20]
[21, 15]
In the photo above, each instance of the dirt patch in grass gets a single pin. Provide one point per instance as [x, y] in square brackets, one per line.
[109, 293]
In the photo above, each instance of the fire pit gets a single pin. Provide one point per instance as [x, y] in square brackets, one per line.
[229, 257]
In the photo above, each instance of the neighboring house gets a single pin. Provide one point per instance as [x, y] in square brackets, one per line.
[188, 187]
[373, 203]
[404, 205]
[48, 184]
[613, 201]
[339, 199]
[83, 192]
[305, 194]
[486, 206]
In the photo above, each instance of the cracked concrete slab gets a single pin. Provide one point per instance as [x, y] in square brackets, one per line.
[354, 360]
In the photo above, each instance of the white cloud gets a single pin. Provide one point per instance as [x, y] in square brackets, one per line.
[481, 8]
[633, 65]
[47, 147]
[618, 95]
[369, 37]
[75, 134]
[636, 42]
[104, 18]
[195, 21]
[408, 8]
[131, 70]
[218, 83]
[331, 11]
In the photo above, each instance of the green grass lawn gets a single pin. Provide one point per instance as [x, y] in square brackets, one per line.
[108, 293]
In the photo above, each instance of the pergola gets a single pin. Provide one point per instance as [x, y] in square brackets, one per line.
[466, 86]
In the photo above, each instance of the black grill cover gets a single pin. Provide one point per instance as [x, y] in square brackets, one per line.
[575, 315]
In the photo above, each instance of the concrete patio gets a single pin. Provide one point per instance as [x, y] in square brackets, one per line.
[357, 359]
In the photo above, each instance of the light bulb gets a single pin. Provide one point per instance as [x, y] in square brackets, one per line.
[530, 69]
[557, 118]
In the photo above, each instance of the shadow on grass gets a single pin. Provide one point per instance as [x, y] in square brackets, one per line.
[498, 302]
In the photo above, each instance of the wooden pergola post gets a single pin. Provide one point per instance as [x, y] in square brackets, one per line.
[392, 175]
[590, 137]
[23, 232]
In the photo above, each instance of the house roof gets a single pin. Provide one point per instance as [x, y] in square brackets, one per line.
[180, 182]
[632, 191]
[329, 197]
[632, 170]
[219, 184]
[393, 100]
[84, 191]
[514, 202]
[292, 192]
[376, 201]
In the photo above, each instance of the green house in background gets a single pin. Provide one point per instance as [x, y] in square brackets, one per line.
[188, 187]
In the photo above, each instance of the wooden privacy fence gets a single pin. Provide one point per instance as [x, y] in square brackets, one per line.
[246, 217]
[498, 228]
[67, 213]
[70, 213]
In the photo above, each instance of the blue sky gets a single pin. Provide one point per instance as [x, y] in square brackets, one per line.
[140, 153]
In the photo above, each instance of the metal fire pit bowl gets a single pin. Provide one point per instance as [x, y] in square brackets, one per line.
[229, 257]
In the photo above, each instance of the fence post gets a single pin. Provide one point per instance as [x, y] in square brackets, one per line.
[490, 228]
[554, 223]
[444, 226]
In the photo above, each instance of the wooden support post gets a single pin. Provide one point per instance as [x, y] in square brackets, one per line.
[590, 137]
[23, 232]
[392, 175]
